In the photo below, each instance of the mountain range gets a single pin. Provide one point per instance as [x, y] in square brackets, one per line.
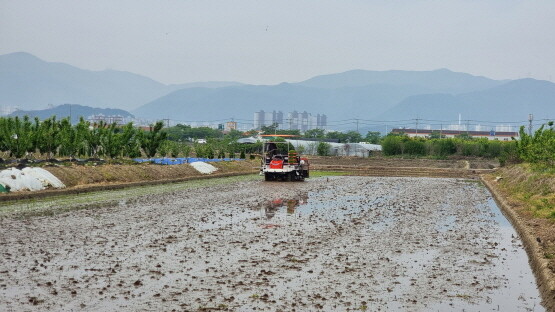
[30, 84]
[74, 111]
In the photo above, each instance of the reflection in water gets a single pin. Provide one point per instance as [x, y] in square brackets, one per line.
[273, 206]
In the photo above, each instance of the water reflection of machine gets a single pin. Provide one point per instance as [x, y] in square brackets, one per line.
[279, 162]
[272, 207]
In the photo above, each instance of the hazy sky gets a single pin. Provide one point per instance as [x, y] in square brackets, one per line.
[267, 42]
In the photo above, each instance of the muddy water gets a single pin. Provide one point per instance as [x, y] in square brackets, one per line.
[330, 244]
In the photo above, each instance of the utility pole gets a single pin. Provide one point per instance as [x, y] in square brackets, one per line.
[417, 126]
[530, 119]
[357, 124]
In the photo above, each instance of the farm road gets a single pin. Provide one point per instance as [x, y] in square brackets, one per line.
[331, 244]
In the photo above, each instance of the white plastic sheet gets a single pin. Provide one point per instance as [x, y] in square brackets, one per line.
[203, 167]
[31, 179]
[45, 177]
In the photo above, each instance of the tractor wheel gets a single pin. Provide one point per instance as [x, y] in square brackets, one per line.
[268, 177]
[289, 177]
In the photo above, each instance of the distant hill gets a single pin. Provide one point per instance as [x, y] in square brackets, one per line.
[242, 101]
[353, 94]
[207, 84]
[441, 80]
[76, 111]
[512, 101]
[31, 83]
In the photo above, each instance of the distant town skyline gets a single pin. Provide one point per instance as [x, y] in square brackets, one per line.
[263, 42]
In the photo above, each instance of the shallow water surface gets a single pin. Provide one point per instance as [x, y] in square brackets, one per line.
[328, 244]
[517, 291]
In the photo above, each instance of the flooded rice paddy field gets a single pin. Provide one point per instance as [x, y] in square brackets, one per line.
[329, 244]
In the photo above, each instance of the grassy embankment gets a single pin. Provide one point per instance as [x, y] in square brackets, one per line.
[528, 193]
[534, 190]
[531, 194]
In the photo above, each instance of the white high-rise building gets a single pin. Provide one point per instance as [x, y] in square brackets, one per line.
[295, 120]
[263, 118]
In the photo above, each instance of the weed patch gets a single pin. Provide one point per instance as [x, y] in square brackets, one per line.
[317, 174]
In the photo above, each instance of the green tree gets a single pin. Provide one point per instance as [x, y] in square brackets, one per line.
[464, 136]
[165, 148]
[436, 135]
[66, 138]
[151, 140]
[392, 145]
[48, 139]
[323, 149]
[185, 150]
[353, 137]
[18, 136]
[129, 140]
[372, 137]
[336, 135]
[315, 133]
[94, 138]
[540, 147]
[271, 129]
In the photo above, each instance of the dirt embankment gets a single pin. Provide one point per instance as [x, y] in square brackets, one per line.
[528, 199]
[78, 176]
[455, 163]
[399, 167]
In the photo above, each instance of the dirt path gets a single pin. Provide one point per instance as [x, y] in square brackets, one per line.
[333, 244]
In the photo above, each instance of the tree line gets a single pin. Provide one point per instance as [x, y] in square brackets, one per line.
[537, 148]
[52, 137]
[400, 144]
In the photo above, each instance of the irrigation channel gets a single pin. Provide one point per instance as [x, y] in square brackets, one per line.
[241, 244]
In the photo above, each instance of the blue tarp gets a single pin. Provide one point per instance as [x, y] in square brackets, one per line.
[181, 160]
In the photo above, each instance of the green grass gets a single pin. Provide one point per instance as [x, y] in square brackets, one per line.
[317, 174]
[532, 188]
[59, 204]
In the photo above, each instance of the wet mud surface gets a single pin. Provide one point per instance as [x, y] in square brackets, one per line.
[378, 161]
[330, 244]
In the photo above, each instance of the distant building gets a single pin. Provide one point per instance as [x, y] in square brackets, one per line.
[95, 119]
[295, 121]
[230, 125]
[263, 118]
[490, 135]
